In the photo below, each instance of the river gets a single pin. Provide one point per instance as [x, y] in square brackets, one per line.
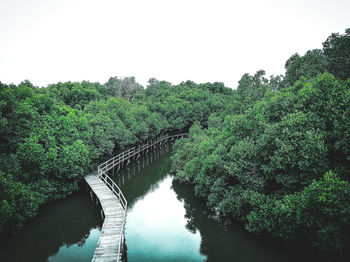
[165, 222]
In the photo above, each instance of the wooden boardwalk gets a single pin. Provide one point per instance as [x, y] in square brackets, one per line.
[111, 237]
[110, 246]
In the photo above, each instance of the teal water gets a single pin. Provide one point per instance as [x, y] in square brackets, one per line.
[155, 232]
[165, 222]
[81, 251]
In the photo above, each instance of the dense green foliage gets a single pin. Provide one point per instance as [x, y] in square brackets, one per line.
[186, 103]
[278, 158]
[51, 137]
[274, 153]
[333, 58]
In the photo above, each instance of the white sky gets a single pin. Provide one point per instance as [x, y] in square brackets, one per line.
[46, 41]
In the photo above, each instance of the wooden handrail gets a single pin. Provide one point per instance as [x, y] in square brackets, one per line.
[117, 160]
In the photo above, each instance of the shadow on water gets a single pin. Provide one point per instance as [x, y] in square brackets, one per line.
[64, 230]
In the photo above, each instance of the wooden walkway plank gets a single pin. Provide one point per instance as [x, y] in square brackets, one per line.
[108, 244]
[111, 241]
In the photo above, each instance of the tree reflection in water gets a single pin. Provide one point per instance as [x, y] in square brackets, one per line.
[226, 242]
[62, 223]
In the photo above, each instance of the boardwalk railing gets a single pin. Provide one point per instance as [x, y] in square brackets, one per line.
[126, 156]
[121, 160]
[116, 190]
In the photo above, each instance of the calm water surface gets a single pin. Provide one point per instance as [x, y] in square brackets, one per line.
[165, 222]
[65, 230]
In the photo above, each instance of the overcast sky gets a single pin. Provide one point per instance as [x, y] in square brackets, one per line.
[46, 41]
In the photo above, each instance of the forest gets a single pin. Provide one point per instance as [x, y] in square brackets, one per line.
[274, 153]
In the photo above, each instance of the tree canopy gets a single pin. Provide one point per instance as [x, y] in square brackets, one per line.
[277, 158]
[273, 154]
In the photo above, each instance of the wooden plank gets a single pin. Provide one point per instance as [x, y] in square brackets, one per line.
[113, 202]
[108, 244]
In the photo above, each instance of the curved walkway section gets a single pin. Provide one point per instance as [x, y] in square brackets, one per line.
[111, 241]
[109, 246]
